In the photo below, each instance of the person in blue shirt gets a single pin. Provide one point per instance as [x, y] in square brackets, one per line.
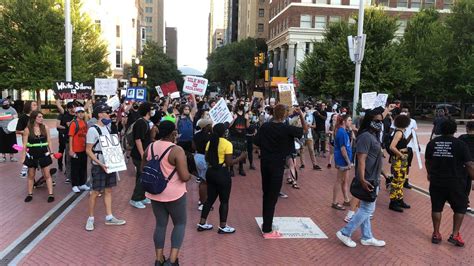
[343, 160]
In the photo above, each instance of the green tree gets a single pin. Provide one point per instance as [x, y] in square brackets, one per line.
[32, 46]
[159, 67]
[328, 69]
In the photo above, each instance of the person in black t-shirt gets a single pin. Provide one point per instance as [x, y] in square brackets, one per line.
[276, 142]
[469, 140]
[447, 158]
[319, 135]
[237, 131]
[142, 136]
[62, 124]
[132, 115]
[200, 140]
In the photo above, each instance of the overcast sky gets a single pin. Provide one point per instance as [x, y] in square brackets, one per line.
[191, 19]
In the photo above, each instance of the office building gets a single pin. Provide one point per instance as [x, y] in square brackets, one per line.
[171, 37]
[253, 19]
[216, 22]
[154, 20]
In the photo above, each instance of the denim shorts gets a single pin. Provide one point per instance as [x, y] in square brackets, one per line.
[201, 165]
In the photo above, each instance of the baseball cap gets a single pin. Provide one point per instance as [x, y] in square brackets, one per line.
[79, 109]
[102, 108]
[204, 122]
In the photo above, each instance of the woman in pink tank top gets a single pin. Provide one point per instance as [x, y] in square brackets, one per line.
[172, 201]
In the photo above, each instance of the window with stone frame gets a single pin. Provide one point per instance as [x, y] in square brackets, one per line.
[305, 21]
[416, 4]
[320, 22]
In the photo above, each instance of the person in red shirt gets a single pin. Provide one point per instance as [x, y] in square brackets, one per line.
[77, 151]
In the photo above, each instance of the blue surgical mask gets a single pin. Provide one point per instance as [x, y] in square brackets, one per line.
[106, 121]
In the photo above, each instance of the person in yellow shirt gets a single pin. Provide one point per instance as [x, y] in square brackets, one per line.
[219, 183]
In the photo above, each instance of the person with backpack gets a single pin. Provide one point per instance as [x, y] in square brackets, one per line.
[171, 202]
[141, 131]
[185, 128]
[219, 152]
[77, 151]
[102, 182]
[399, 162]
[237, 130]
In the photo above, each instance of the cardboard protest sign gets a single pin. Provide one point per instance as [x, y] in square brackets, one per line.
[381, 100]
[113, 153]
[72, 90]
[258, 94]
[285, 98]
[220, 113]
[114, 102]
[195, 85]
[368, 100]
[105, 86]
[169, 87]
[159, 91]
[136, 94]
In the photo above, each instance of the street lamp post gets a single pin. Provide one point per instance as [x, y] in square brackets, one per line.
[68, 38]
[357, 54]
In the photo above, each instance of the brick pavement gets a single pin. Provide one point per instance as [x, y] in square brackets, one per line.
[407, 235]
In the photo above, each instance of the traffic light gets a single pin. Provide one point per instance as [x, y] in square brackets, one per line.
[261, 58]
[255, 61]
[141, 71]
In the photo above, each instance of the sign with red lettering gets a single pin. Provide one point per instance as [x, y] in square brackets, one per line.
[72, 90]
[195, 85]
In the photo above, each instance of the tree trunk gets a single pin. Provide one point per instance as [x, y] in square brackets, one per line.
[38, 98]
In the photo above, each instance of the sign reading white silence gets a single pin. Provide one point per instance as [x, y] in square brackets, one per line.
[105, 86]
[220, 113]
[195, 85]
[112, 152]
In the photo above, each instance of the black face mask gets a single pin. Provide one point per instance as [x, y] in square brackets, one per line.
[6, 106]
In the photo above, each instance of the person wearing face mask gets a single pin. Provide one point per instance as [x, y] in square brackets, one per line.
[62, 125]
[368, 167]
[77, 151]
[7, 138]
[142, 135]
[237, 131]
[132, 115]
[102, 182]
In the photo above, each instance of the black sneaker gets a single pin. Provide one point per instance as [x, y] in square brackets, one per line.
[317, 167]
[404, 205]
[395, 206]
[302, 166]
[436, 238]
[407, 184]
[456, 240]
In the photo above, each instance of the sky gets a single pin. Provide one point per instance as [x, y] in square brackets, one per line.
[191, 19]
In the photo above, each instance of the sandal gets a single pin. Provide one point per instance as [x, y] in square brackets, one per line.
[50, 198]
[29, 198]
[295, 186]
[347, 203]
[338, 206]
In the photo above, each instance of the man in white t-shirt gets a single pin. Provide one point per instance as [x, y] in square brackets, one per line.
[409, 131]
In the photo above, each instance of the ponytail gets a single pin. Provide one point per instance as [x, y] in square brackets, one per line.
[212, 155]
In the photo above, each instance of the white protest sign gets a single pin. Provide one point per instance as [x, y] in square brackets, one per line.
[112, 153]
[295, 227]
[368, 100]
[220, 113]
[285, 87]
[159, 91]
[414, 141]
[195, 85]
[175, 95]
[140, 94]
[381, 100]
[114, 102]
[105, 86]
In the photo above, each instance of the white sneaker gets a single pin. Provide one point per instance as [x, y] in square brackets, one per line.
[89, 224]
[200, 207]
[146, 201]
[226, 230]
[24, 171]
[372, 242]
[346, 240]
[76, 189]
[204, 227]
[85, 187]
[137, 204]
[114, 221]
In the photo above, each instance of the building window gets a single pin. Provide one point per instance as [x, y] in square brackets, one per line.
[97, 25]
[260, 27]
[148, 19]
[149, 1]
[335, 2]
[148, 9]
[429, 3]
[417, 3]
[261, 12]
[447, 4]
[385, 3]
[321, 1]
[334, 19]
[118, 58]
[149, 29]
[354, 2]
[320, 22]
[307, 47]
[117, 31]
[305, 21]
[402, 24]
[402, 3]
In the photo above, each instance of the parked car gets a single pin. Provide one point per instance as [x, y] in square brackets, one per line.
[452, 110]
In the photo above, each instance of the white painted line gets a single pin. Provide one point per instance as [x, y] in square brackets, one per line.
[34, 226]
[48, 229]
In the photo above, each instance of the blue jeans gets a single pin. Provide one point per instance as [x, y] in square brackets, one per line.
[361, 218]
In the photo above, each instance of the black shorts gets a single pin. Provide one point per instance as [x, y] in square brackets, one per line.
[102, 180]
[38, 163]
[455, 195]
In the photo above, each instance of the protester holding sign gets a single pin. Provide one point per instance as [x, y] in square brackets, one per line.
[77, 151]
[7, 138]
[101, 181]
